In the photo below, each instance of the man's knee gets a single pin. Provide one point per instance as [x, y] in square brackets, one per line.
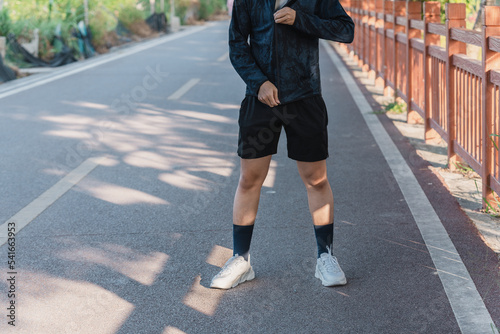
[315, 180]
[251, 180]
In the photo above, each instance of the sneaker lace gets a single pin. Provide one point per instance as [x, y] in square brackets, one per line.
[227, 268]
[330, 261]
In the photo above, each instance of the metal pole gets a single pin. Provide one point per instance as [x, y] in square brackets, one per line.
[162, 6]
[86, 9]
[172, 9]
[1, 4]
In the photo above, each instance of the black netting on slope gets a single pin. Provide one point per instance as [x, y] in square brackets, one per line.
[6, 74]
[62, 58]
[157, 21]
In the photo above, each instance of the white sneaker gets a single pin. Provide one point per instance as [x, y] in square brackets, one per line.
[236, 270]
[328, 270]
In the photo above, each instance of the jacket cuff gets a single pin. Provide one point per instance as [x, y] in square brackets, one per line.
[257, 85]
[297, 24]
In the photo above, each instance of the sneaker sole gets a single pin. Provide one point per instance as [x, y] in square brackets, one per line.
[247, 276]
[342, 281]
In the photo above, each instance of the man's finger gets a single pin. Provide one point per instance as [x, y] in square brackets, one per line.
[280, 17]
[284, 19]
[270, 99]
[267, 100]
[273, 102]
[275, 96]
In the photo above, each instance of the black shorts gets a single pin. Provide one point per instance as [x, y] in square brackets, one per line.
[305, 124]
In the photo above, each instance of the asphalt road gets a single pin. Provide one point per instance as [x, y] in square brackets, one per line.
[135, 158]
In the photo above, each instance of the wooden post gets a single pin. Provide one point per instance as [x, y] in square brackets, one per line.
[357, 32]
[380, 45]
[491, 60]
[350, 47]
[388, 25]
[413, 12]
[398, 9]
[364, 38]
[372, 40]
[359, 39]
[347, 4]
[432, 14]
[455, 18]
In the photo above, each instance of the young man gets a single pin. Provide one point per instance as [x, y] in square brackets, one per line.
[280, 65]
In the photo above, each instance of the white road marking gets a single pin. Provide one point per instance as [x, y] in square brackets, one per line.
[22, 85]
[184, 89]
[469, 309]
[42, 202]
[224, 57]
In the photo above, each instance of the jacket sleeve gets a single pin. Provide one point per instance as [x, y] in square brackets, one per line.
[330, 21]
[240, 52]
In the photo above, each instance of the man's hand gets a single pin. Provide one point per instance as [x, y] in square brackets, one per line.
[268, 94]
[285, 16]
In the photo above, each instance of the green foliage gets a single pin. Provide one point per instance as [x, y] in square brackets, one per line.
[21, 17]
[490, 208]
[210, 7]
[493, 209]
[463, 168]
[5, 22]
[130, 15]
[396, 108]
[23, 29]
[100, 23]
[181, 7]
[472, 7]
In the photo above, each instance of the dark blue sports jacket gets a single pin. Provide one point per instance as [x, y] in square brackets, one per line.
[288, 56]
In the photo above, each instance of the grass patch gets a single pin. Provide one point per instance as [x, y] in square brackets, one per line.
[393, 107]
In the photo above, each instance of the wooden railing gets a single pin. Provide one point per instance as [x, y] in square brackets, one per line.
[406, 49]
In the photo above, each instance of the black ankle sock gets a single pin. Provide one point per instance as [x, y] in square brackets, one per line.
[242, 236]
[324, 237]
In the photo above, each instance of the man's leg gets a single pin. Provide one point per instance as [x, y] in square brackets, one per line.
[319, 192]
[253, 172]
[246, 201]
[320, 197]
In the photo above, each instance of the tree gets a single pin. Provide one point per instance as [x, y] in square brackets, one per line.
[479, 20]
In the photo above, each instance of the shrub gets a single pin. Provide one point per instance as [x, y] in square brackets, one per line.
[5, 22]
[181, 8]
[47, 32]
[23, 29]
[210, 7]
[129, 15]
[101, 23]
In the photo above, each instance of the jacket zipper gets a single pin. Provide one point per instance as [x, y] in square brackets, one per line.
[287, 4]
[277, 58]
